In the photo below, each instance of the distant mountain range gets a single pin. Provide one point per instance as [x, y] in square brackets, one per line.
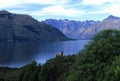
[16, 27]
[84, 29]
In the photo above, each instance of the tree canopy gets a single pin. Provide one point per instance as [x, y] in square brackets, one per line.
[100, 53]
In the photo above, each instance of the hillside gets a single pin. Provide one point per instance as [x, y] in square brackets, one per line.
[16, 27]
[70, 28]
[84, 29]
[110, 22]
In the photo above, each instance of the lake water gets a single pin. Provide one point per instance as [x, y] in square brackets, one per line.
[17, 54]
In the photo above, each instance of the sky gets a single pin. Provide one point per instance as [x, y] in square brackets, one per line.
[79, 10]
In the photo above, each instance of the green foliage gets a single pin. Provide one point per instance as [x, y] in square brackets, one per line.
[9, 74]
[21, 75]
[96, 56]
[104, 46]
[113, 70]
[56, 69]
[30, 72]
[35, 74]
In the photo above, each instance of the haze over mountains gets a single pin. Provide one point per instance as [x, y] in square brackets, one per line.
[16, 27]
[84, 29]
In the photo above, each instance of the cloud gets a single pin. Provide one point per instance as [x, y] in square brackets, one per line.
[100, 7]
[114, 10]
[98, 2]
[62, 8]
[58, 10]
[45, 1]
[108, 8]
[7, 3]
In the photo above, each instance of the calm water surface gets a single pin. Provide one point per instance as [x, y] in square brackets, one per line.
[17, 54]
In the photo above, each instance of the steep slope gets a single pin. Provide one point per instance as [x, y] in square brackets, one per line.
[110, 22]
[70, 27]
[23, 27]
[86, 29]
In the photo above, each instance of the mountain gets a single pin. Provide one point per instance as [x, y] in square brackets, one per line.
[84, 29]
[16, 27]
[71, 28]
[110, 22]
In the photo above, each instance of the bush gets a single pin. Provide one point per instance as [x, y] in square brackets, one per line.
[30, 72]
[96, 56]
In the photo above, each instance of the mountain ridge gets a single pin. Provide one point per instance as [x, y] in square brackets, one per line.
[22, 27]
[84, 29]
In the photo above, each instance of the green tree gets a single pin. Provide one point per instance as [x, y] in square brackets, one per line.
[56, 69]
[21, 75]
[30, 72]
[30, 69]
[93, 59]
[35, 75]
[113, 70]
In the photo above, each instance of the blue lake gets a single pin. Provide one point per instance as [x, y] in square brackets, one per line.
[17, 54]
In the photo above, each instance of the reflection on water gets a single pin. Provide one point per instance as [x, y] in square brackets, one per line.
[17, 52]
[20, 53]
